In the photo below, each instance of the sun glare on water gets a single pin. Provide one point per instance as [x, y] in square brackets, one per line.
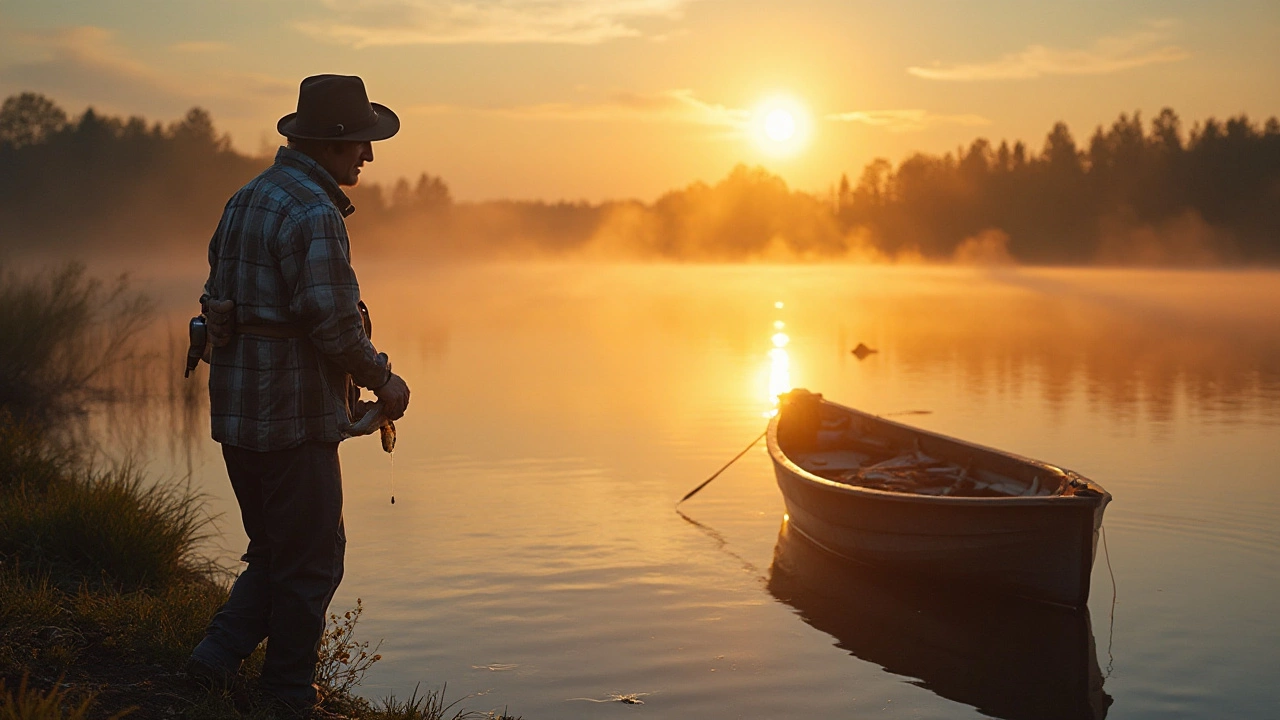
[780, 126]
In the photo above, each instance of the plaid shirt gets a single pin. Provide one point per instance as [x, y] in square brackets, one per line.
[281, 253]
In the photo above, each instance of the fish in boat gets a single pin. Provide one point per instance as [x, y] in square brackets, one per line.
[917, 502]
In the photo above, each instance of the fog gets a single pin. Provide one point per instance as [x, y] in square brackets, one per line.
[129, 187]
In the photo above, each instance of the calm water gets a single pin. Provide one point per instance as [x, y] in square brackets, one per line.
[533, 557]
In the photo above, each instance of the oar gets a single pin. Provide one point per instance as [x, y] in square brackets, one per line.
[726, 467]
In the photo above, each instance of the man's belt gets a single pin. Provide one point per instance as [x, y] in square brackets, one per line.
[279, 331]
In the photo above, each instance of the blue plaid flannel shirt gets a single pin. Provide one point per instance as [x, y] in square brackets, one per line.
[281, 252]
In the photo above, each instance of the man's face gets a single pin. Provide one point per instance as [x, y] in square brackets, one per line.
[343, 160]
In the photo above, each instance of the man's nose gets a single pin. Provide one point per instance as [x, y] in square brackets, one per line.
[366, 151]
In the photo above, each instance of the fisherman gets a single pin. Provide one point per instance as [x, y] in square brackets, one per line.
[290, 341]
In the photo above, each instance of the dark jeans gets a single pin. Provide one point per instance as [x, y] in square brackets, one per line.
[291, 505]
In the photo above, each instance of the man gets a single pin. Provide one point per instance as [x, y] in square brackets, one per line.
[289, 338]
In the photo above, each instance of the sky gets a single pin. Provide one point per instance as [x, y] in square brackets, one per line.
[613, 99]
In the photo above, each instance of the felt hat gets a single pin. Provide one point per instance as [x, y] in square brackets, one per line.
[336, 107]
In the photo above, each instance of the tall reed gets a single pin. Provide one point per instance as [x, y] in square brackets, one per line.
[64, 337]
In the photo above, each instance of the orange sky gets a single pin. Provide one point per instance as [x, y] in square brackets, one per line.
[595, 99]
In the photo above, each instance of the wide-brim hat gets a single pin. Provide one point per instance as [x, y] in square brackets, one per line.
[336, 107]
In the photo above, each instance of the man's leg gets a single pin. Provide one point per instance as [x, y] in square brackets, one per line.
[242, 622]
[302, 504]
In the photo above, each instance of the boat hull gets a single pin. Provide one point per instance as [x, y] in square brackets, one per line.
[1039, 547]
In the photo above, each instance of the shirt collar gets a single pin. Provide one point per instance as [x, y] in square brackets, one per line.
[301, 161]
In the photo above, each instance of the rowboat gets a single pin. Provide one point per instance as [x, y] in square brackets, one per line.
[924, 504]
[1005, 657]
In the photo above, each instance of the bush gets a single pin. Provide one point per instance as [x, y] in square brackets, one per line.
[64, 338]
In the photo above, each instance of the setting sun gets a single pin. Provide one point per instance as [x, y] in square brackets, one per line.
[780, 126]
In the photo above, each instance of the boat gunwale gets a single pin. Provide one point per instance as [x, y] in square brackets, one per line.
[781, 458]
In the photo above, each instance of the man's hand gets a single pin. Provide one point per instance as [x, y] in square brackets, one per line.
[219, 317]
[394, 396]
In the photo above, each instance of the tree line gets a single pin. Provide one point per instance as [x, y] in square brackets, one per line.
[102, 181]
[1135, 193]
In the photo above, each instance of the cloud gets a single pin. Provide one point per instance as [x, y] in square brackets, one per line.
[678, 106]
[1108, 55]
[86, 64]
[200, 46]
[906, 120]
[365, 23]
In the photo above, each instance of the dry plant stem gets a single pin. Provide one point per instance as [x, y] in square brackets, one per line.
[344, 660]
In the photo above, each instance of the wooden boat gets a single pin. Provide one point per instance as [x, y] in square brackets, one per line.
[1006, 657]
[916, 502]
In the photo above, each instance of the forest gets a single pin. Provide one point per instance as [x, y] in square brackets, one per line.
[1135, 193]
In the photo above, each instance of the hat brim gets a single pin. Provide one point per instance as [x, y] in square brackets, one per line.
[388, 124]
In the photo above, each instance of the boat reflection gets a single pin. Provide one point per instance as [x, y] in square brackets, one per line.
[1008, 659]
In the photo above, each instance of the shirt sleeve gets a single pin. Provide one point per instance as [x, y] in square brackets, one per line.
[213, 257]
[326, 293]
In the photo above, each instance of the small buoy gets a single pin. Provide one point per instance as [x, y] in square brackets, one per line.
[393, 499]
[862, 351]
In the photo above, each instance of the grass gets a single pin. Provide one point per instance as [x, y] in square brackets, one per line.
[99, 569]
[106, 526]
[103, 588]
[27, 703]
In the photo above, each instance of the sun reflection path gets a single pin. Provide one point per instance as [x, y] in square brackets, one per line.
[779, 364]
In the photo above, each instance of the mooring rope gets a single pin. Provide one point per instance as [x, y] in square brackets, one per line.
[1111, 631]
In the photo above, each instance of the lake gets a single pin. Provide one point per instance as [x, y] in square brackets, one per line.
[534, 560]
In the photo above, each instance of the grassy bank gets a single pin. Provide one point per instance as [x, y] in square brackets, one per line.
[103, 588]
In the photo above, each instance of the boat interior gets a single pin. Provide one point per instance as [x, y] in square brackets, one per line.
[833, 442]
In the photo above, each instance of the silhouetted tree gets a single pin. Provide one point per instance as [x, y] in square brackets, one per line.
[109, 181]
[1132, 193]
[1216, 191]
[29, 119]
[195, 134]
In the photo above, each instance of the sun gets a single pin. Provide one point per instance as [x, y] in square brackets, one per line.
[780, 126]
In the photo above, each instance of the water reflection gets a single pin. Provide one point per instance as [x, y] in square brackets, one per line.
[153, 413]
[1007, 660]
[559, 411]
[779, 364]
[1124, 343]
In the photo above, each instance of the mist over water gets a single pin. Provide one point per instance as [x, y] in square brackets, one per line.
[533, 557]
[1142, 194]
